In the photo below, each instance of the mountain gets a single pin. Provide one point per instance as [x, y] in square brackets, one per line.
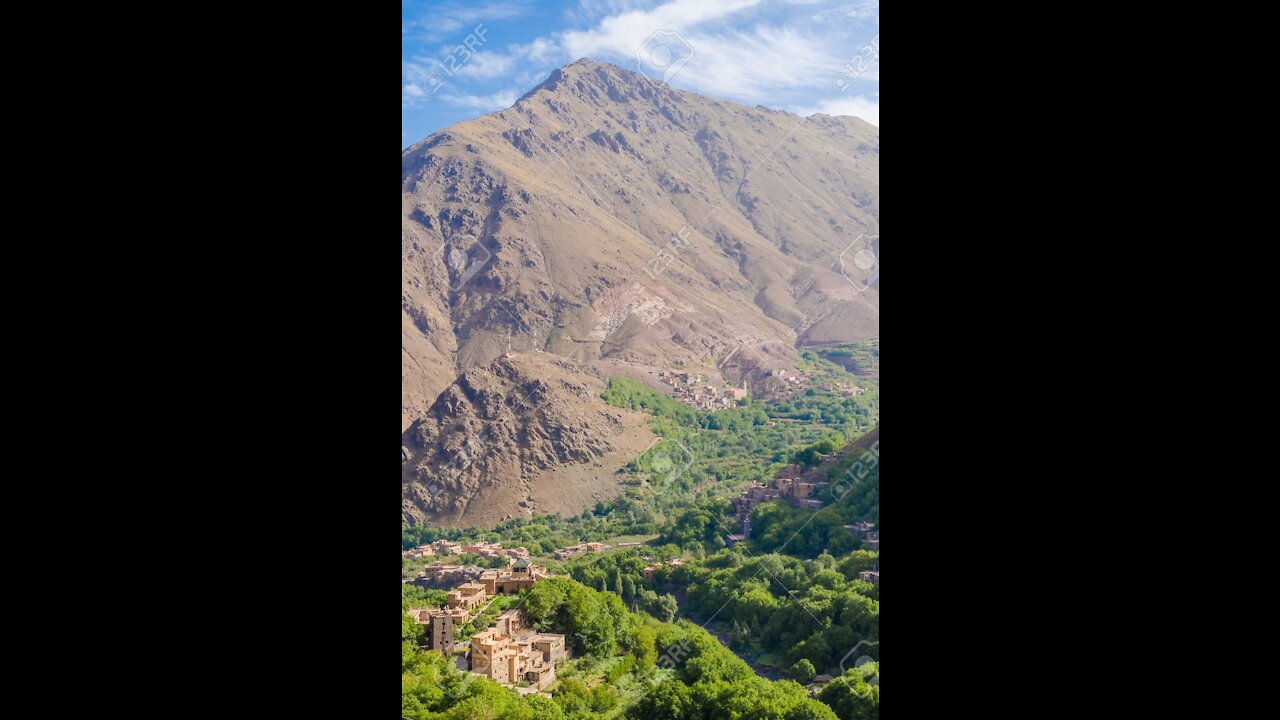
[625, 227]
[527, 434]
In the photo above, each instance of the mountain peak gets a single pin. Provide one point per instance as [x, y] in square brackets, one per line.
[588, 62]
[583, 72]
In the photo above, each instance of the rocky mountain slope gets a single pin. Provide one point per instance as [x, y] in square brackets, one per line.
[526, 434]
[612, 220]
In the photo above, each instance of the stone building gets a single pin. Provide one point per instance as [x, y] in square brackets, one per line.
[504, 659]
[510, 622]
[467, 596]
[522, 576]
[440, 626]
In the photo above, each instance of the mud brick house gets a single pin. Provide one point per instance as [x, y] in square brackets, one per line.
[510, 622]
[467, 596]
[870, 536]
[504, 659]
[445, 547]
[522, 576]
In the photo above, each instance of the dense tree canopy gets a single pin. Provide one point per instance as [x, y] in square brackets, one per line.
[792, 592]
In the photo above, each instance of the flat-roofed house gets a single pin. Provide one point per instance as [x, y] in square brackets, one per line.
[468, 596]
[511, 622]
[503, 659]
[445, 547]
[550, 645]
[522, 576]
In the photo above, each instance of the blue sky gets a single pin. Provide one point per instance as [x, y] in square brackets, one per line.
[464, 59]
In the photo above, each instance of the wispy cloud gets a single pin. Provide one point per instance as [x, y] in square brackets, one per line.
[867, 10]
[485, 103]
[444, 20]
[587, 11]
[736, 52]
[490, 64]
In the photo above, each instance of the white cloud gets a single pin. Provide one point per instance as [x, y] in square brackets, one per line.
[588, 10]
[487, 64]
[857, 106]
[485, 103]
[623, 34]
[756, 64]
[731, 56]
[448, 19]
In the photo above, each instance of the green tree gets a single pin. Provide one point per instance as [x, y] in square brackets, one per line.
[672, 700]
[851, 697]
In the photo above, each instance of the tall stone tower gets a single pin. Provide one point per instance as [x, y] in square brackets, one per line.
[441, 632]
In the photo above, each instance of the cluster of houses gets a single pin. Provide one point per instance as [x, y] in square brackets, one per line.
[844, 389]
[786, 485]
[692, 389]
[440, 575]
[650, 570]
[521, 575]
[800, 493]
[785, 383]
[575, 550]
[789, 485]
[868, 533]
[445, 548]
[509, 652]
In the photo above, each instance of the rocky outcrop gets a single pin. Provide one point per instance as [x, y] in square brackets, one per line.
[492, 438]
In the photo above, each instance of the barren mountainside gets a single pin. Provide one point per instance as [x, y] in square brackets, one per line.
[505, 441]
[613, 222]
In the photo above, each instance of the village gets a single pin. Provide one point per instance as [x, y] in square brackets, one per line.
[697, 390]
[438, 574]
[693, 389]
[509, 652]
[446, 548]
[788, 484]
